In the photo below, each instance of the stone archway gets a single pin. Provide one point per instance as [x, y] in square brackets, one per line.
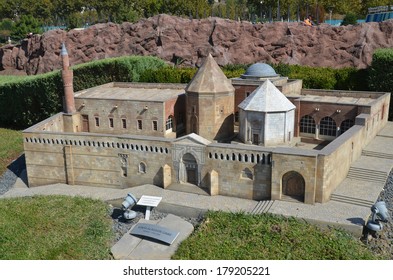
[293, 186]
[189, 170]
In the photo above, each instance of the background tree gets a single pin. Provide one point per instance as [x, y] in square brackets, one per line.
[25, 25]
[350, 18]
[6, 26]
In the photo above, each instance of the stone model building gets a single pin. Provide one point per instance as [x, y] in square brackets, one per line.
[260, 136]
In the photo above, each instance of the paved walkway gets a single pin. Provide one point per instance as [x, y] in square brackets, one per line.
[349, 207]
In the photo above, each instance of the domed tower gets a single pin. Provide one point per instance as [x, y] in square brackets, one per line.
[210, 103]
[260, 71]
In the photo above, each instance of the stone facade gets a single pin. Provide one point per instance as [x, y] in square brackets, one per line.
[120, 157]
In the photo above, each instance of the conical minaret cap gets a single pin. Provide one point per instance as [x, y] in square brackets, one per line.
[63, 50]
[210, 79]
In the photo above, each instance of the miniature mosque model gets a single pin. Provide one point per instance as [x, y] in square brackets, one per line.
[260, 136]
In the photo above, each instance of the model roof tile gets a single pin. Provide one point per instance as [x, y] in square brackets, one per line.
[210, 79]
[267, 98]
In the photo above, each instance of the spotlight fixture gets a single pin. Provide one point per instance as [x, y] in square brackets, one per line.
[379, 214]
[128, 203]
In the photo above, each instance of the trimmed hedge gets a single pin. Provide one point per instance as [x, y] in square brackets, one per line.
[380, 76]
[120, 69]
[35, 98]
[313, 77]
[28, 101]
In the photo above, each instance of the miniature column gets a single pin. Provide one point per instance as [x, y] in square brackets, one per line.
[67, 75]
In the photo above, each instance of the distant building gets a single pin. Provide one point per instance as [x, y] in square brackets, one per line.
[260, 136]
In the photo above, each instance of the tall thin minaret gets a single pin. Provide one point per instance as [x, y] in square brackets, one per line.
[67, 75]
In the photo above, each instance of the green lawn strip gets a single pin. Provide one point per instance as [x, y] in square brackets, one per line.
[11, 147]
[243, 236]
[54, 227]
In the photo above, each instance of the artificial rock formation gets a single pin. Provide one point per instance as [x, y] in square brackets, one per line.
[187, 42]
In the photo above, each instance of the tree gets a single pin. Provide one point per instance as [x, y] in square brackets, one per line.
[6, 26]
[24, 26]
[349, 19]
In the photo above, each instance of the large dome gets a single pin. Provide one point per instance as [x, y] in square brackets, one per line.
[260, 70]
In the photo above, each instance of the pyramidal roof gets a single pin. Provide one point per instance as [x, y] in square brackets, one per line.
[267, 98]
[210, 79]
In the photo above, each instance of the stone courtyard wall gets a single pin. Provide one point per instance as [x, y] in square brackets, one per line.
[95, 159]
[243, 171]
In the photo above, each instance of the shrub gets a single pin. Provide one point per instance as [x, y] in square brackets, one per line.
[314, 77]
[349, 18]
[381, 73]
[350, 78]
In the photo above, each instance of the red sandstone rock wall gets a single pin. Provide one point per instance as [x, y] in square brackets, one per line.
[178, 39]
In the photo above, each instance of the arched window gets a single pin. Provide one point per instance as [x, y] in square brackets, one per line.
[345, 125]
[169, 123]
[327, 127]
[142, 167]
[307, 124]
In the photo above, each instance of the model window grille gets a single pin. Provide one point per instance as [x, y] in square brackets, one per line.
[307, 125]
[169, 123]
[345, 125]
[140, 124]
[97, 120]
[155, 125]
[327, 127]
[124, 123]
[111, 122]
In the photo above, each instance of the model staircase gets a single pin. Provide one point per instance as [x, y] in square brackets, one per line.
[377, 154]
[369, 175]
[351, 200]
[262, 207]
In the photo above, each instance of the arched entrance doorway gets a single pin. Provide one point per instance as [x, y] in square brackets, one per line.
[293, 186]
[190, 174]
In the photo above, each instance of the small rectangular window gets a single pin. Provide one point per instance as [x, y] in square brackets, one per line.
[111, 122]
[140, 124]
[97, 120]
[124, 123]
[155, 125]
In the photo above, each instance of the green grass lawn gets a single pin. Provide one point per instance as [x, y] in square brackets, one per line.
[53, 228]
[11, 147]
[245, 237]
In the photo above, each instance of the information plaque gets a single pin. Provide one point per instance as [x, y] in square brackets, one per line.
[149, 201]
[155, 232]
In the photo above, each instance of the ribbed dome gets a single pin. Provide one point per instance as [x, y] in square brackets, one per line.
[260, 70]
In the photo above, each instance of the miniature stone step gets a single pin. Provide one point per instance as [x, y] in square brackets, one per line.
[367, 174]
[351, 200]
[377, 154]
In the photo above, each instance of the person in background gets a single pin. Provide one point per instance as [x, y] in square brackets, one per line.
[308, 21]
